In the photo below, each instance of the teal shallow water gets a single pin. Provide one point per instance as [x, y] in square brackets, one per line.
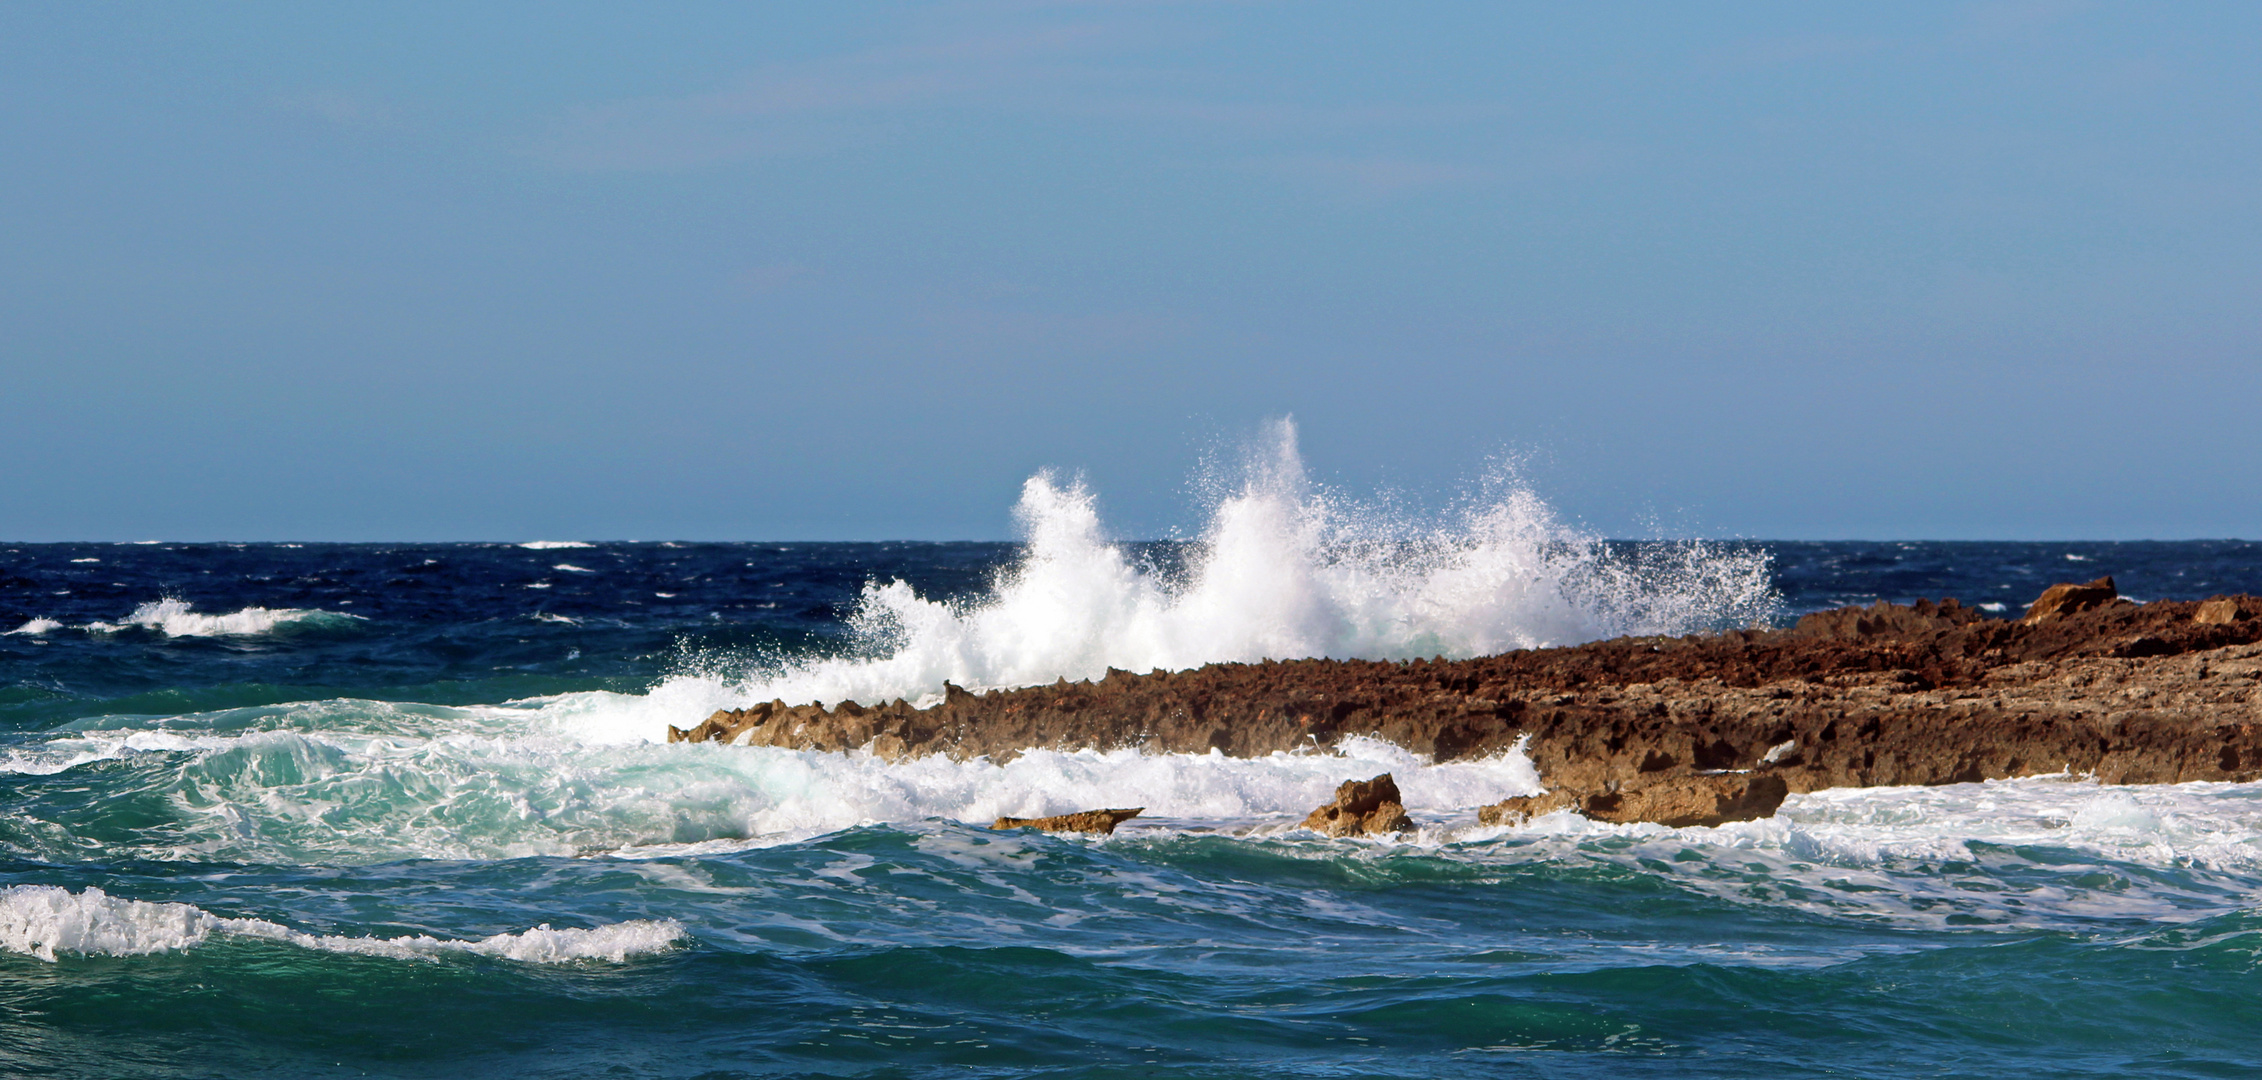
[242, 834]
[937, 949]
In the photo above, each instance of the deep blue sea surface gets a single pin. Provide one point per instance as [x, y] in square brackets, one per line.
[404, 810]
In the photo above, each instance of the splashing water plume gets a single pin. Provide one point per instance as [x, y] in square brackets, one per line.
[1282, 570]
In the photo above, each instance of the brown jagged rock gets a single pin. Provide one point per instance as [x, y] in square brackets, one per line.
[1362, 808]
[2222, 609]
[1519, 809]
[1678, 801]
[1085, 821]
[1682, 801]
[1883, 618]
[1878, 695]
[2061, 600]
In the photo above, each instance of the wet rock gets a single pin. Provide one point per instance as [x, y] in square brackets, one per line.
[1102, 822]
[1878, 695]
[1682, 801]
[1362, 808]
[1678, 801]
[1519, 809]
[2061, 600]
[2222, 609]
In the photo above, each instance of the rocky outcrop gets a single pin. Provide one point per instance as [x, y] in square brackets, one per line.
[1516, 810]
[1362, 808]
[1885, 694]
[2059, 601]
[1679, 801]
[2224, 609]
[1102, 822]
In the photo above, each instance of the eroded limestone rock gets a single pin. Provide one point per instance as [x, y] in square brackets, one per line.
[1682, 801]
[1102, 822]
[1362, 808]
[1885, 694]
[2223, 609]
[1519, 809]
[2059, 601]
[1678, 801]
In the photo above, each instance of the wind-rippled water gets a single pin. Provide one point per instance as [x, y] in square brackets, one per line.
[401, 811]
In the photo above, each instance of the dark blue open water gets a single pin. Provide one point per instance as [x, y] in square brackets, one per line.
[346, 810]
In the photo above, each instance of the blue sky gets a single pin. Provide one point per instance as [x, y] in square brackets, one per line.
[1947, 270]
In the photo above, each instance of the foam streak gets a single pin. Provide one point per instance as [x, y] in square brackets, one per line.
[45, 921]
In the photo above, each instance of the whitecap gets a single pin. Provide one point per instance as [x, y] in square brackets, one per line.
[555, 545]
[353, 782]
[177, 618]
[36, 627]
[572, 569]
[46, 920]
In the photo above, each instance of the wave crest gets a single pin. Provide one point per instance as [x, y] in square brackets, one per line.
[46, 920]
[177, 618]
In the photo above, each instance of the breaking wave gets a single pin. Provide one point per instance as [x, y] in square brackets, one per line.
[1284, 569]
[46, 920]
[358, 782]
[177, 618]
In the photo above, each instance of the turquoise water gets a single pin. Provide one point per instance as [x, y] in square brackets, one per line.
[396, 811]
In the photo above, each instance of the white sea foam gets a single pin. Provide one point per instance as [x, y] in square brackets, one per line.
[370, 781]
[349, 782]
[555, 545]
[1283, 570]
[2026, 853]
[177, 618]
[572, 569]
[36, 627]
[45, 920]
[2217, 825]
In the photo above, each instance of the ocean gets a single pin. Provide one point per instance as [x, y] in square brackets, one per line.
[312, 810]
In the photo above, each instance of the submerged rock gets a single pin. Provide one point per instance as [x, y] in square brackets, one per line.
[1522, 808]
[1682, 801]
[1362, 808]
[1678, 801]
[1102, 822]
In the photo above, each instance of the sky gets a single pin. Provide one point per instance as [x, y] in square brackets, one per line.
[1773, 270]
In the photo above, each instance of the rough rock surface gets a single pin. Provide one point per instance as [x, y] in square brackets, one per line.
[2224, 609]
[1519, 809]
[2059, 601]
[1887, 694]
[1679, 801]
[1086, 821]
[1362, 808]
